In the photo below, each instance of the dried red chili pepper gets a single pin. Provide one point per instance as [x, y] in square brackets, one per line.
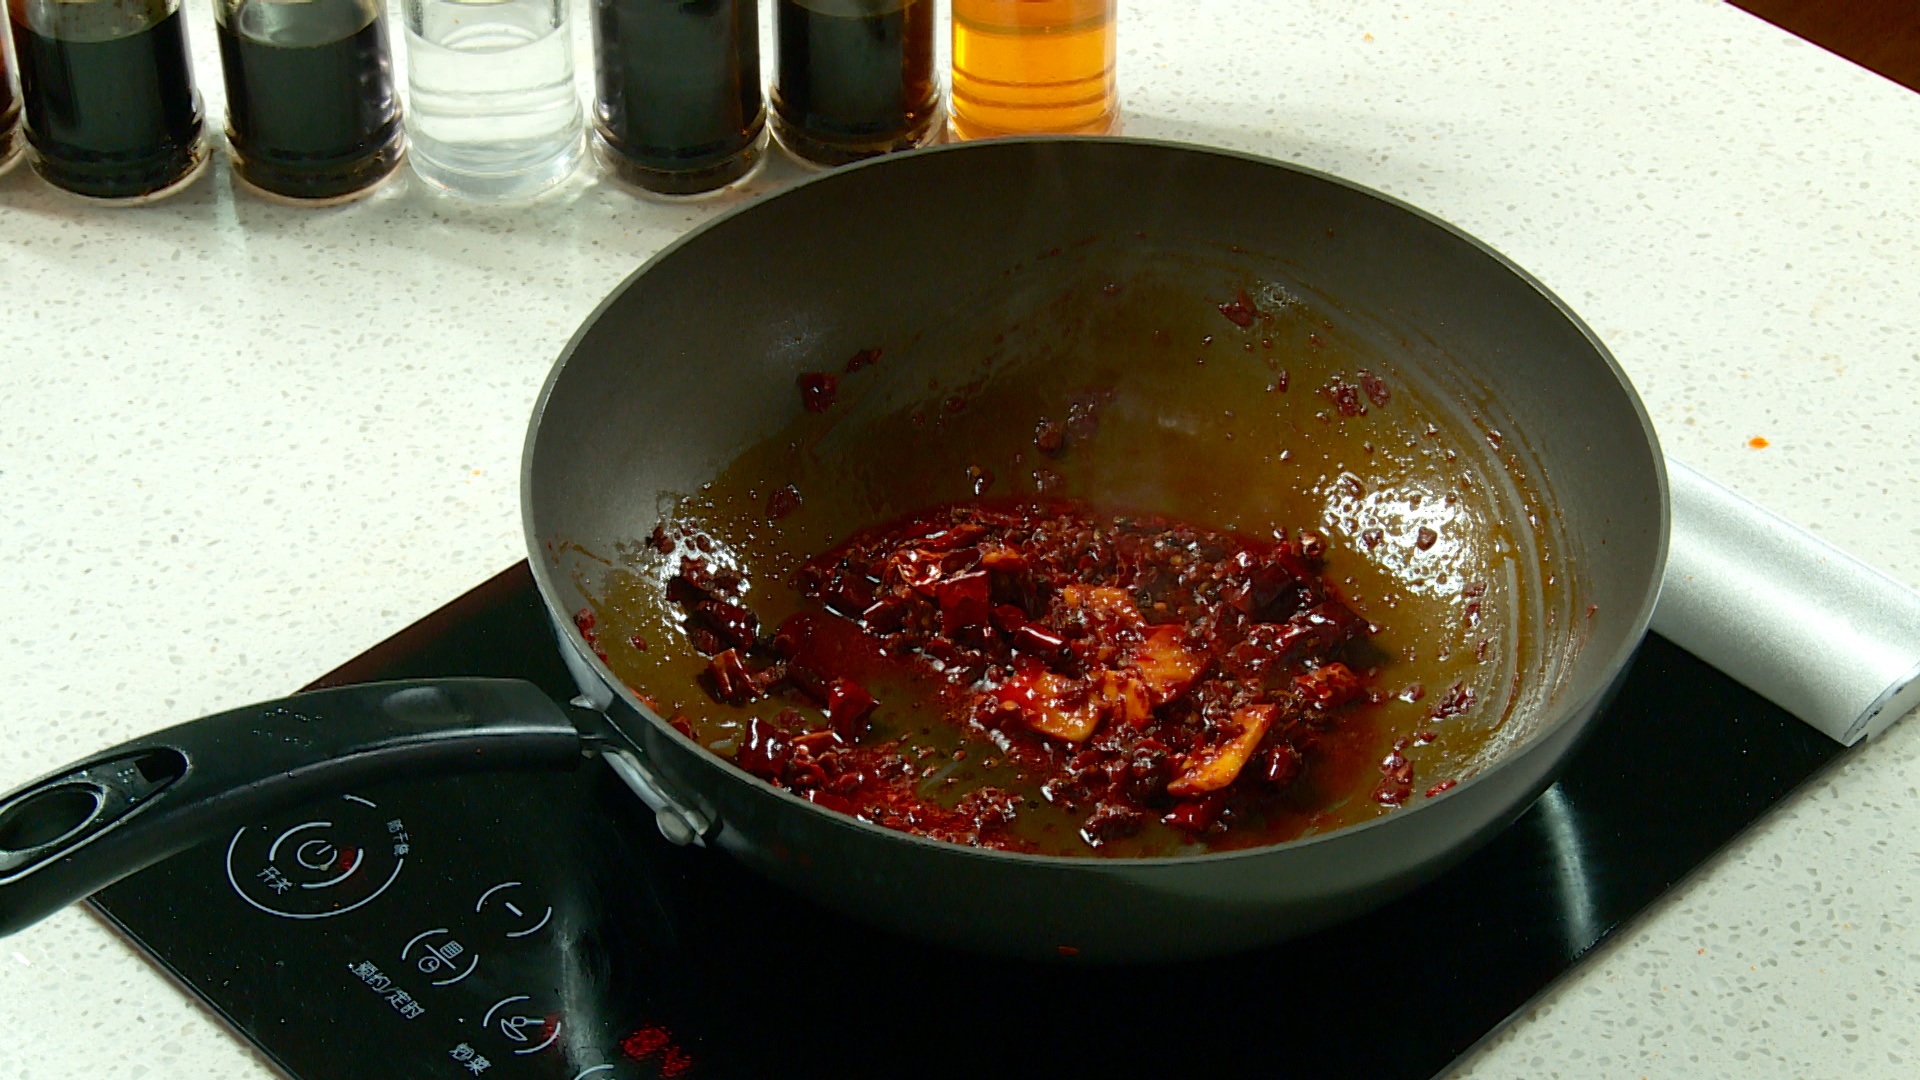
[1375, 387]
[818, 390]
[782, 502]
[1137, 669]
[848, 707]
[1240, 310]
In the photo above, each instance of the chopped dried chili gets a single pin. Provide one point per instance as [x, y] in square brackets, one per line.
[1132, 668]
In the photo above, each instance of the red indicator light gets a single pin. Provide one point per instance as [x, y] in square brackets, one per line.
[645, 1043]
[655, 1044]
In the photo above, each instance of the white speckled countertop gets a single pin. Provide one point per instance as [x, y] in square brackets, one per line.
[243, 442]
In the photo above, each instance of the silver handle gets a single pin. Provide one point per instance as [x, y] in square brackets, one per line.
[1816, 631]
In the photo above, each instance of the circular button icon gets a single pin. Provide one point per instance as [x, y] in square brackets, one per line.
[321, 866]
[513, 909]
[525, 1030]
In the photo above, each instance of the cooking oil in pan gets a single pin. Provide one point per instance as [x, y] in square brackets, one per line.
[1238, 402]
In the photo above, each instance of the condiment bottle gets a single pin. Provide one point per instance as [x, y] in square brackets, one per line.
[1033, 67]
[9, 113]
[853, 78]
[492, 111]
[311, 109]
[109, 103]
[679, 109]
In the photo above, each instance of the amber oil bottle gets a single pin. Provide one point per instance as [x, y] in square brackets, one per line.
[1033, 67]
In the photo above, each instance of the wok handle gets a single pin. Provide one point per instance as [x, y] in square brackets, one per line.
[85, 827]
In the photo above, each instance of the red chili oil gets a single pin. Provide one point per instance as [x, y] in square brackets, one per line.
[1087, 405]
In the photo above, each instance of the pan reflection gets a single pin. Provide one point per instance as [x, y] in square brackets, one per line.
[1559, 823]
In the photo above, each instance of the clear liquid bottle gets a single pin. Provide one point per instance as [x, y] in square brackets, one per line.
[853, 78]
[492, 108]
[679, 109]
[107, 96]
[1033, 67]
[311, 109]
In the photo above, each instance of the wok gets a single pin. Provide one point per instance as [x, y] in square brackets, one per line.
[694, 358]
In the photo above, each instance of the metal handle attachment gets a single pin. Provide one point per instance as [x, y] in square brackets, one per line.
[1812, 629]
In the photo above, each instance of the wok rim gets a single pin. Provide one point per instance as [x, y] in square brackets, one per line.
[1568, 712]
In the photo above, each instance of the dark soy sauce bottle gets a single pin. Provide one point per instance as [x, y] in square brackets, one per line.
[679, 110]
[108, 96]
[311, 108]
[853, 78]
[9, 115]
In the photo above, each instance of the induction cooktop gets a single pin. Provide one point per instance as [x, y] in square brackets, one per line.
[538, 925]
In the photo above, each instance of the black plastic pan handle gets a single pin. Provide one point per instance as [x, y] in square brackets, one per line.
[87, 826]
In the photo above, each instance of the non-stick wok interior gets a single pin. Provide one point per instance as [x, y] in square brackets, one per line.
[938, 255]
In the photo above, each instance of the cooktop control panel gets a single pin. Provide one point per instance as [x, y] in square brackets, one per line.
[440, 929]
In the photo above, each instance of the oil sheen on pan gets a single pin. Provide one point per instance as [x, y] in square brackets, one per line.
[1204, 407]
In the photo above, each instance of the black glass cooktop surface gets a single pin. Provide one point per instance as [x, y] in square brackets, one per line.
[538, 926]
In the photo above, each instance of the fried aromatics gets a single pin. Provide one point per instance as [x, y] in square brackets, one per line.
[1138, 668]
